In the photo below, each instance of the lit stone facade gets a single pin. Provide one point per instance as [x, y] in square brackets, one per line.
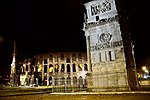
[55, 69]
[13, 75]
[105, 47]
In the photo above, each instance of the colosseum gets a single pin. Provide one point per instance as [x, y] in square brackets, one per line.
[55, 69]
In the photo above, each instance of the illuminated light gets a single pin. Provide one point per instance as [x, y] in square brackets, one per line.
[51, 69]
[80, 65]
[146, 71]
[139, 75]
[144, 68]
[24, 65]
[56, 66]
[145, 76]
[40, 68]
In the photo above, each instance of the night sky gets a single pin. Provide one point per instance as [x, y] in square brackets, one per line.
[40, 26]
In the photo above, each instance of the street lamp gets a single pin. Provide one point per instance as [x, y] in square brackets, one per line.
[146, 72]
[144, 68]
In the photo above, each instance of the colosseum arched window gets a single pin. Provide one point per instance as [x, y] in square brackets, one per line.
[45, 68]
[80, 80]
[56, 81]
[62, 67]
[62, 81]
[50, 80]
[74, 67]
[68, 67]
[68, 80]
[74, 80]
[85, 67]
[56, 68]
[51, 68]
[80, 67]
[85, 81]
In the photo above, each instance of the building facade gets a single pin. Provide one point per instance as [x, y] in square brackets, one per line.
[55, 69]
[105, 47]
[13, 74]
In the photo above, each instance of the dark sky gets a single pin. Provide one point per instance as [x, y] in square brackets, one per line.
[40, 26]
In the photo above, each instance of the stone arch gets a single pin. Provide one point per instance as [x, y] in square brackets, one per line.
[68, 68]
[56, 81]
[74, 67]
[80, 67]
[74, 80]
[62, 81]
[45, 68]
[85, 81]
[68, 80]
[80, 80]
[85, 67]
[50, 80]
[51, 68]
[62, 67]
[56, 67]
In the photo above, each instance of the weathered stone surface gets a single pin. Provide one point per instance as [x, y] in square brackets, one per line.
[106, 47]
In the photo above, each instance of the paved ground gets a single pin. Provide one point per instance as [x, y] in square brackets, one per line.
[33, 94]
[68, 96]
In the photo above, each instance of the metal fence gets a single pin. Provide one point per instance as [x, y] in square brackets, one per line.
[69, 85]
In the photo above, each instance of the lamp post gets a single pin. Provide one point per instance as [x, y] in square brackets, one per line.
[146, 72]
